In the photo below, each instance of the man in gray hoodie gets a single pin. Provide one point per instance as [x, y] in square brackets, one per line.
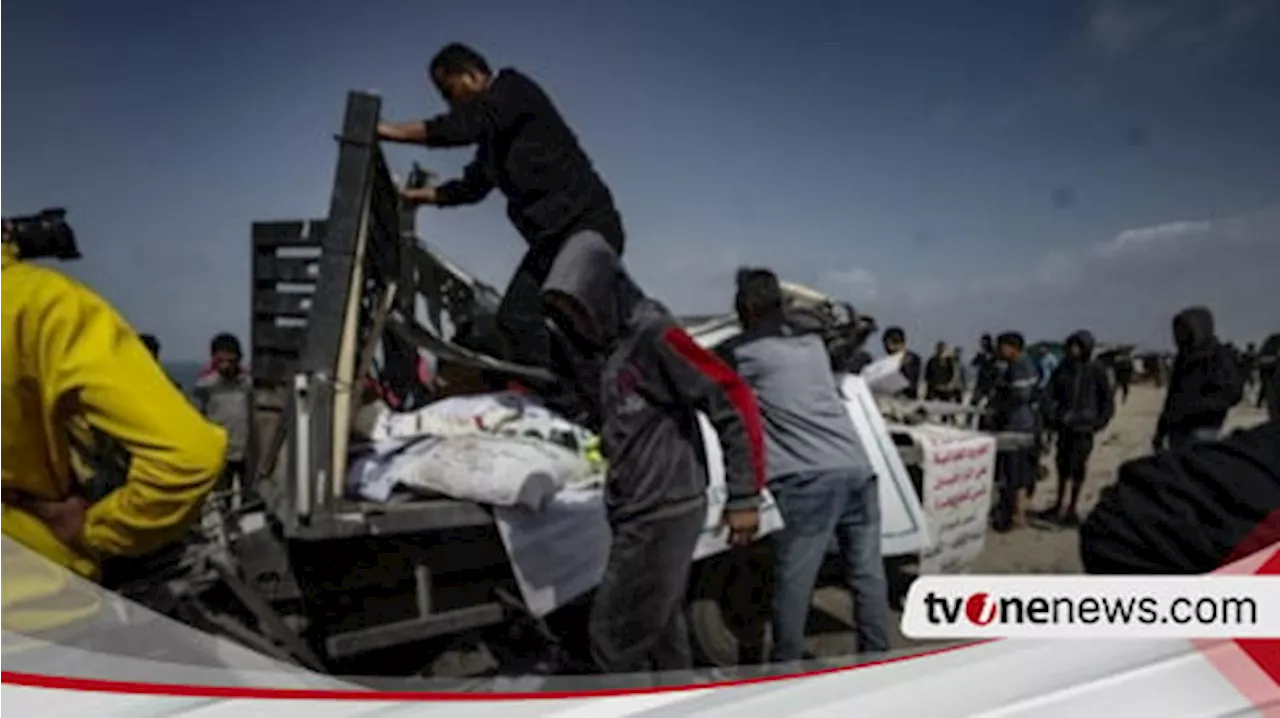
[224, 395]
[819, 472]
[647, 379]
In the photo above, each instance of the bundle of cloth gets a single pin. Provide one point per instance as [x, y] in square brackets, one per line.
[501, 449]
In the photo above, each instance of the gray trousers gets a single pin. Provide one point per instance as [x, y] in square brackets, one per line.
[637, 622]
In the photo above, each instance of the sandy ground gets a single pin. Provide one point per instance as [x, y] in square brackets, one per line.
[1033, 549]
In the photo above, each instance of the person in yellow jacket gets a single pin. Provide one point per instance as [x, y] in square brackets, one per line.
[72, 365]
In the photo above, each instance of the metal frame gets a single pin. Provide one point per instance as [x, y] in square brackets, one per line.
[364, 288]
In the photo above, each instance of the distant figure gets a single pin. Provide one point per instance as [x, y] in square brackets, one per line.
[1268, 363]
[1249, 365]
[986, 369]
[941, 375]
[1204, 385]
[1012, 409]
[224, 394]
[895, 340]
[1271, 392]
[1123, 370]
[1078, 404]
[1047, 363]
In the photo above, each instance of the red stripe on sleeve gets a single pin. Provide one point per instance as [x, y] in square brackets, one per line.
[734, 388]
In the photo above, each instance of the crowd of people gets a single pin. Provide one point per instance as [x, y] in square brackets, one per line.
[1065, 402]
[626, 364]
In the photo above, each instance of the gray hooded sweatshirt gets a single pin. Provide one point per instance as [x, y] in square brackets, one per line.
[650, 380]
[807, 427]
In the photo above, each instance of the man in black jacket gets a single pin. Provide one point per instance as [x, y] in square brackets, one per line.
[1204, 385]
[1012, 409]
[1188, 511]
[942, 375]
[895, 341]
[988, 368]
[653, 380]
[1078, 404]
[526, 150]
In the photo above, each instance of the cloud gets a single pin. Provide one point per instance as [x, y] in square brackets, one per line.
[854, 285]
[1146, 237]
[1181, 31]
[1131, 51]
[1123, 288]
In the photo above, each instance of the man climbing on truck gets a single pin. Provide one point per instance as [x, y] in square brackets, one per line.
[653, 381]
[525, 149]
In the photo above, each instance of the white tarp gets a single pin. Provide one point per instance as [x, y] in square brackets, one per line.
[959, 474]
[553, 527]
[560, 552]
[487, 469]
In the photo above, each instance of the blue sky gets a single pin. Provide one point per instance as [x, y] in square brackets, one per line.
[950, 167]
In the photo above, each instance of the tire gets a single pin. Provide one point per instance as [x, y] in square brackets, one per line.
[728, 609]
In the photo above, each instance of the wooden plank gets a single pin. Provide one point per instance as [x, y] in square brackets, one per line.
[292, 233]
[273, 369]
[285, 304]
[293, 270]
[270, 336]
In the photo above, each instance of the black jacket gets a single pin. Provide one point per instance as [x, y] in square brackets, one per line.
[652, 379]
[940, 373]
[1079, 397]
[526, 150]
[988, 369]
[1188, 511]
[1205, 382]
[1012, 405]
[911, 366]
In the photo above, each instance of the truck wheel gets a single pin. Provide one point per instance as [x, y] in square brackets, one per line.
[729, 602]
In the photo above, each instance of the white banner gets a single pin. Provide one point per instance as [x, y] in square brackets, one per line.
[959, 472]
[1146, 607]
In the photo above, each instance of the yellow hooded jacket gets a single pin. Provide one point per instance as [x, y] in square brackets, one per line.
[69, 360]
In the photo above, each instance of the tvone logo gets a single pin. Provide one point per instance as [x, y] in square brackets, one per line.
[980, 609]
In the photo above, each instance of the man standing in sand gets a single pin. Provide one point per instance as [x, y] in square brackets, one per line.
[1079, 403]
[1012, 409]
